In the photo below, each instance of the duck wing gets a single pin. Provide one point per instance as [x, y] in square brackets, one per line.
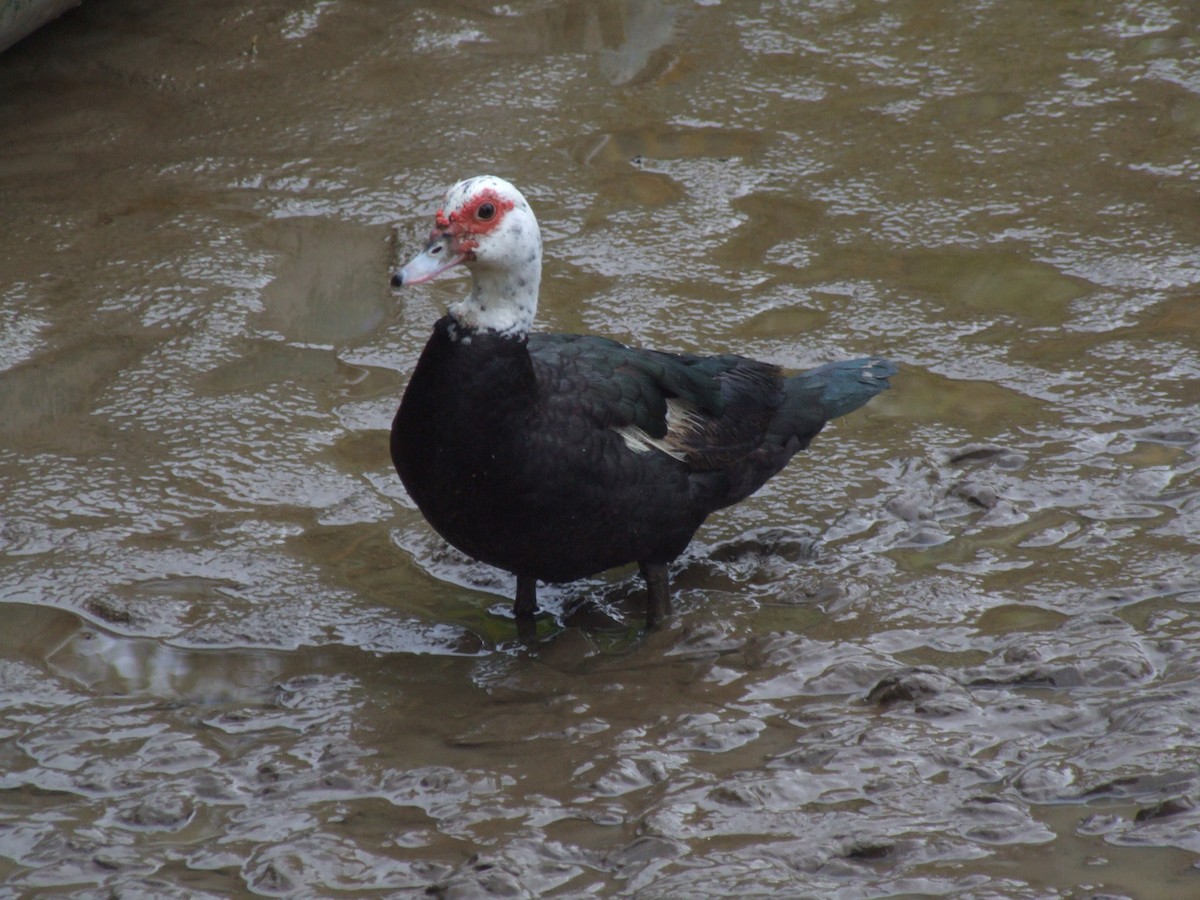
[720, 414]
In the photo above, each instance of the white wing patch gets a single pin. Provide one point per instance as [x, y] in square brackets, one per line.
[682, 418]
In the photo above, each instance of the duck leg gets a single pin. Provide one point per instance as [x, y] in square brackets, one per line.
[524, 607]
[658, 592]
[525, 604]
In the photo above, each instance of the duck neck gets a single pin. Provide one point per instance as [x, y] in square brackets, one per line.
[502, 300]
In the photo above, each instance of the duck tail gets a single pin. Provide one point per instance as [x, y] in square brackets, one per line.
[842, 387]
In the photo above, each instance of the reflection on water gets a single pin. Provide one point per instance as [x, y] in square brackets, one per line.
[953, 652]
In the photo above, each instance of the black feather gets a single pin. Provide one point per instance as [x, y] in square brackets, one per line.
[515, 449]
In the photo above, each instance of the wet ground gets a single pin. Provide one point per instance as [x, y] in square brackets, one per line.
[953, 650]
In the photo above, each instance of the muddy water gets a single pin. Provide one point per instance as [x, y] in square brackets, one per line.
[954, 650]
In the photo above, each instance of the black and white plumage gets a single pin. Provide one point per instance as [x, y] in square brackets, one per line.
[556, 456]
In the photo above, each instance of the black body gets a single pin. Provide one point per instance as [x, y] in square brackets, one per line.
[510, 446]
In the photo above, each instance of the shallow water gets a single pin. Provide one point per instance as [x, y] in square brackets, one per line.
[953, 650]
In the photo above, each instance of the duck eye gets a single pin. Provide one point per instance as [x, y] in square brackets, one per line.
[486, 211]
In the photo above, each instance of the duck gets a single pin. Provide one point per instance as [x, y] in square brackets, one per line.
[555, 457]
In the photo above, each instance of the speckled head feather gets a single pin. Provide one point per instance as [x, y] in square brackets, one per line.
[487, 225]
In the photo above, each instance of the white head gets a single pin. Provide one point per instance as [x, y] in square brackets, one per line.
[485, 224]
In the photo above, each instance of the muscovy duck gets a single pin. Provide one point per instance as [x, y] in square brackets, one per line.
[557, 456]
